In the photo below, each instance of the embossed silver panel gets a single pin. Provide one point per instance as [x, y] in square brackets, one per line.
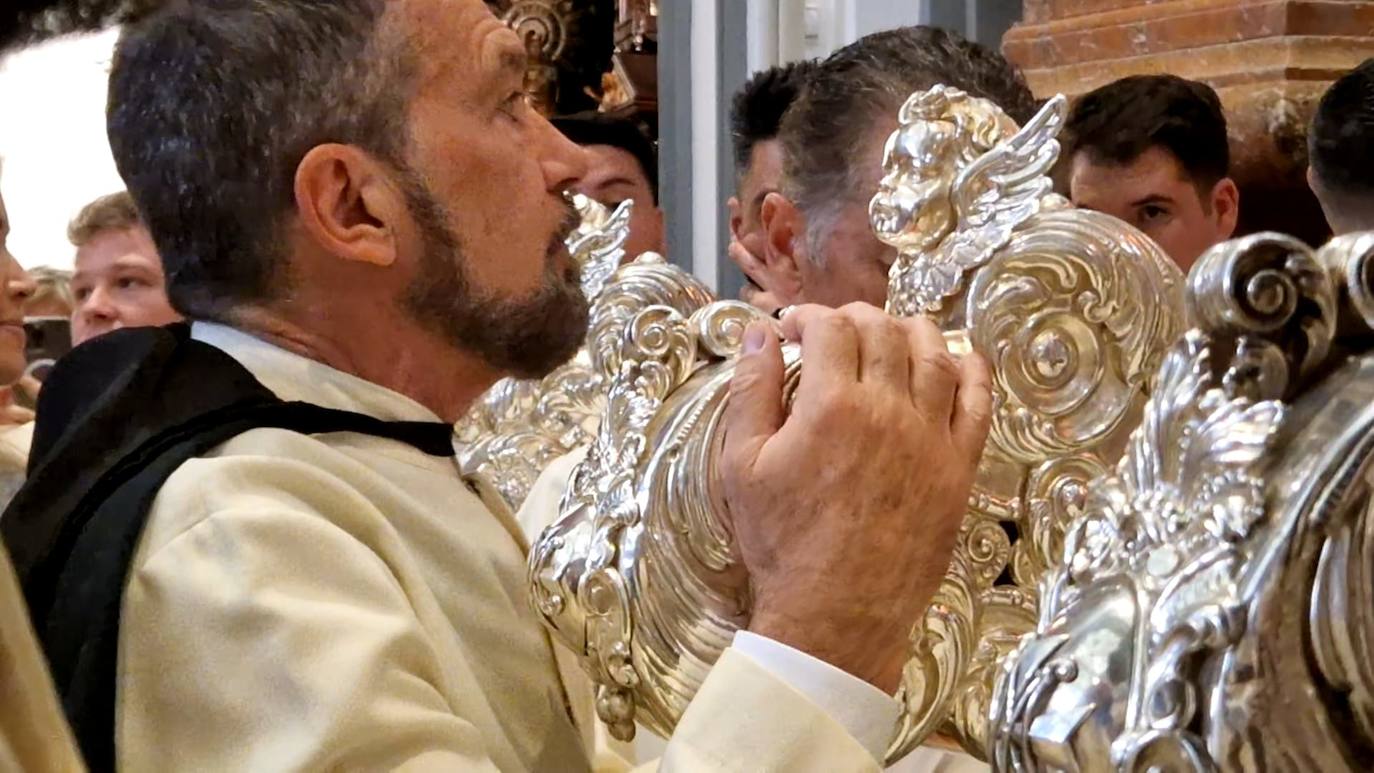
[1212, 609]
[1075, 311]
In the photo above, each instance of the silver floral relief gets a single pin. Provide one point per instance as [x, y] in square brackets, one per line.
[1211, 609]
[640, 575]
[1074, 311]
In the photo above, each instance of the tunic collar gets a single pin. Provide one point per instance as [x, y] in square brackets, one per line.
[293, 377]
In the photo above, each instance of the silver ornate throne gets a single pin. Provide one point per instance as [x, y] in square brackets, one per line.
[1213, 607]
[639, 574]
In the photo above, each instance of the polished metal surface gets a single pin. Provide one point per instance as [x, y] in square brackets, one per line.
[1212, 609]
[1074, 309]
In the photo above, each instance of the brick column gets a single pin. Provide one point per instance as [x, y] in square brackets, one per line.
[1269, 60]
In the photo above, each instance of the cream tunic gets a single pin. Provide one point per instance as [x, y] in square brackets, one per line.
[348, 602]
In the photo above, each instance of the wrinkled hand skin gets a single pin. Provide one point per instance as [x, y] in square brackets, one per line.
[846, 510]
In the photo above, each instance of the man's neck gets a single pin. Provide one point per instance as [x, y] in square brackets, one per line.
[1350, 225]
[394, 354]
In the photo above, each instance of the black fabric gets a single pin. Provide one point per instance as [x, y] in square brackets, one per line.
[116, 418]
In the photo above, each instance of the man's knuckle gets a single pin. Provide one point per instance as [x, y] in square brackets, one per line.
[942, 362]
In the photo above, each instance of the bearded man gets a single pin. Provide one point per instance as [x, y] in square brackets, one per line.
[244, 543]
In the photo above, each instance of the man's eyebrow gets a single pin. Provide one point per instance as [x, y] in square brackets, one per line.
[1153, 198]
[618, 180]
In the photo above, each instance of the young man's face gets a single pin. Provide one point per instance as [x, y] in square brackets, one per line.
[613, 176]
[1155, 194]
[118, 283]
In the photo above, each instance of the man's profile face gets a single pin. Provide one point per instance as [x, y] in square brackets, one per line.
[15, 288]
[485, 188]
[1155, 194]
[118, 283]
[760, 177]
[613, 176]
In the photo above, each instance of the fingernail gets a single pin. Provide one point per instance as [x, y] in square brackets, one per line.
[753, 338]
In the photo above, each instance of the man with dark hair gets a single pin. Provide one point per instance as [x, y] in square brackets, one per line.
[244, 543]
[755, 117]
[1152, 151]
[820, 247]
[621, 164]
[1340, 151]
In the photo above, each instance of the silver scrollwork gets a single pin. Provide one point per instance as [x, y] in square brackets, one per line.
[639, 573]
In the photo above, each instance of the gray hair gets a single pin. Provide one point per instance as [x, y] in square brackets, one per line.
[826, 129]
[212, 106]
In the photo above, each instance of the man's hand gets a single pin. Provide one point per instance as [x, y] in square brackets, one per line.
[752, 292]
[846, 510]
[12, 414]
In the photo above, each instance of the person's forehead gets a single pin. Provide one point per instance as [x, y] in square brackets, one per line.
[1154, 171]
[609, 164]
[123, 248]
[458, 39]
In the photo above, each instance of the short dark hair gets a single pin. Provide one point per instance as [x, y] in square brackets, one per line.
[1340, 145]
[593, 128]
[1118, 122]
[212, 106]
[869, 78]
[757, 108]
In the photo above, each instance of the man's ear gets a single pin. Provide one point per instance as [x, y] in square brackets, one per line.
[347, 204]
[784, 246]
[1225, 207]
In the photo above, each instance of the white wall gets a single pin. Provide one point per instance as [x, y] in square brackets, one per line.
[52, 140]
[706, 140]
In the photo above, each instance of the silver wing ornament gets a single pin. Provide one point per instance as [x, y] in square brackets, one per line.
[598, 244]
[995, 193]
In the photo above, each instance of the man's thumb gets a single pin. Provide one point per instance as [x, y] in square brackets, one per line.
[754, 411]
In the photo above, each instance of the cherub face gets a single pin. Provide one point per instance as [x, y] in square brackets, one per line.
[911, 210]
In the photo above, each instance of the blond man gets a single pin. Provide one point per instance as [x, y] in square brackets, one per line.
[118, 280]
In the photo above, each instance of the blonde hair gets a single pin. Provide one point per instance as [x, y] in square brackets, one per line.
[52, 285]
[115, 212]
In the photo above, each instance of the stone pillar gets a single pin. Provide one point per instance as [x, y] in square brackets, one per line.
[1269, 60]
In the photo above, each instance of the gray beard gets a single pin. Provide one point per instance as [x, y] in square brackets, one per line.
[524, 337]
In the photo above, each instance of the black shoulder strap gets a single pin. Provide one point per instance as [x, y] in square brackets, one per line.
[77, 542]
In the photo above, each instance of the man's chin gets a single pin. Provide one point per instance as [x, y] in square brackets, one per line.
[556, 339]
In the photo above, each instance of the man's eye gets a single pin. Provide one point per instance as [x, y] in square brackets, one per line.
[1151, 213]
[128, 283]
